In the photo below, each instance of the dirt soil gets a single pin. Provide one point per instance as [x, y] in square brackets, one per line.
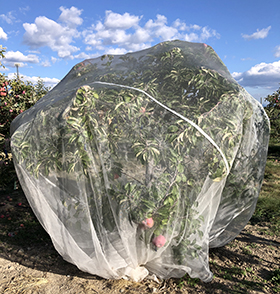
[31, 266]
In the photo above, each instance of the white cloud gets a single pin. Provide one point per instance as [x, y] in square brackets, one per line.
[34, 51]
[110, 33]
[202, 34]
[277, 51]
[46, 32]
[46, 63]
[113, 31]
[118, 33]
[180, 25]
[49, 82]
[93, 39]
[192, 37]
[71, 16]
[265, 75]
[207, 33]
[53, 59]
[259, 34]
[122, 33]
[24, 9]
[18, 57]
[117, 21]
[141, 36]
[195, 27]
[154, 24]
[159, 29]
[83, 55]
[116, 51]
[118, 37]
[237, 76]
[3, 35]
[265, 68]
[8, 17]
[5, 69]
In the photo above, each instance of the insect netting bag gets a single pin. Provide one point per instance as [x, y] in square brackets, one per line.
[137, 164]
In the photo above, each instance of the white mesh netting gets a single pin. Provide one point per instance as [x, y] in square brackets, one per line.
[137, 164]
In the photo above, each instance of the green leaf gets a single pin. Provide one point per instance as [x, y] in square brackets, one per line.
[180, 168]
[173, 129]
[118, 105]
[127, 98]
[95, 95]
[178, 179]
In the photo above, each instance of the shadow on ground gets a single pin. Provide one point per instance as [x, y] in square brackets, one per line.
[24, 241]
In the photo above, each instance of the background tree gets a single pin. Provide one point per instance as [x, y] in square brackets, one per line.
[2, 51]
[273, 112]
[16, 96]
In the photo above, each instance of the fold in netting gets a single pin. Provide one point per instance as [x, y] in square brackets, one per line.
[177, 114]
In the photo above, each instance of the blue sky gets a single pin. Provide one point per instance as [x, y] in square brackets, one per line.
[47, 38]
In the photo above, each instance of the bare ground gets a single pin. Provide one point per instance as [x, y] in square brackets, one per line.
[30, 266]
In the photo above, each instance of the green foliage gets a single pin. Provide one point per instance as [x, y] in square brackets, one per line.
[2, 51]
[7, 172]
[269, 201]
[273, 112]
[267, 209]
[275, 276]
[16, 96]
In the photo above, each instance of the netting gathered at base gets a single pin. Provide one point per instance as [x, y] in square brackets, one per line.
[137, 164]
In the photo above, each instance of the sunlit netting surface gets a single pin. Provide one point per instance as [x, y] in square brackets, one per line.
[136, 164]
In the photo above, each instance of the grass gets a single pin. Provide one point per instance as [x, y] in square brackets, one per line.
[267, 209]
